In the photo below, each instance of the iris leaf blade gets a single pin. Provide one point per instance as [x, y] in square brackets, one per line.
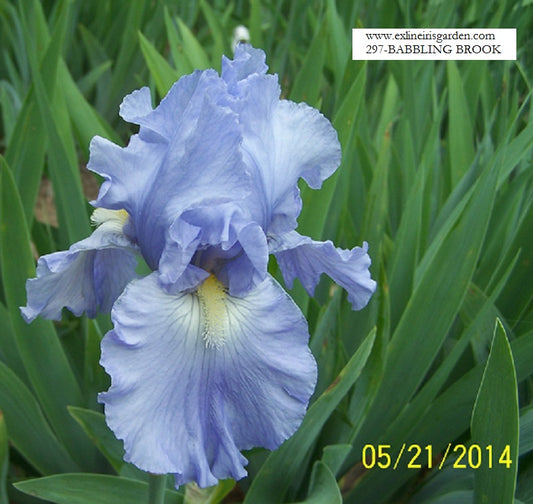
[28, 429]
[127, 50]
[221, 43]
[181, 63]
[162, 73]
[62, 154]
[25, 152]
[84, 117]
[193, 50]
[334, 455]
[461, 147]
[495, 423]
[90, 488]
[8, 344]
[323, 486]
[4, 459]
[256, 35]
[41, 352]
[526, 430]
[409, 236]
[338, 40]
[307, 82]
[94, 425]
[345, 118]
[411, 336]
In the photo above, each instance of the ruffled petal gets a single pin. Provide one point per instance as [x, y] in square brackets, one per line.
[128, 172]
[221, 240]
[174, 113]
[195, 162]
[88, 277]
[197, 377]
[301, 257]
[213, 141]
[307, 145]
[136, 106]
[246, 61]
[249, 267]
[282, 142]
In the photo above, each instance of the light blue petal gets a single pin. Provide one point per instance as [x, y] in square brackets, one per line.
[219, 239]
[182, 241]
[282, 141]
[246, 61]
[249, 267]
[88, 277]
[197, 377]
[172, 116]
[213, 143]
[301, 257]
[195, 161]
[128, 172]
[136, 106]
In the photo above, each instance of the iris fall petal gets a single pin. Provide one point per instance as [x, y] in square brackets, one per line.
[306, 259]
[197, 377]
[88, 277]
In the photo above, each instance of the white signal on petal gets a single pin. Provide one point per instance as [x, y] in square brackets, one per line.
[112, 221]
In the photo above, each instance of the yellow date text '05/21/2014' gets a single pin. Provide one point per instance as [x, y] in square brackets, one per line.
[416, 456]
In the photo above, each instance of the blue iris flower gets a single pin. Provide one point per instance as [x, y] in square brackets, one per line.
[208, 355]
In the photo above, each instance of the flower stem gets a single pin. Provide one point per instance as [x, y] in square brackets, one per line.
[156, 488]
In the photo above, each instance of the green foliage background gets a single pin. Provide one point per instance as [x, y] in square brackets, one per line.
[436, 176]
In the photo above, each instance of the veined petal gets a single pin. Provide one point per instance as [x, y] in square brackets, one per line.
[128, 172]
[282, 141]
[196, 163]
[197, 377]
[301, 257]
[136, 106]
[174, 113]
[88, 277]
[132, 171]
[249, 267]
[307, 146]
[219, 239]
[246, 61]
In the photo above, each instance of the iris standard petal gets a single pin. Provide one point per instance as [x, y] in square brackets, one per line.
[282, 141]
[136, 106]
[200, 164]
[128, 172]
[249, 267]
[88, 277]
[246, 61]
[301, 257]
[174, 113]
[197, 377]
[220, 239]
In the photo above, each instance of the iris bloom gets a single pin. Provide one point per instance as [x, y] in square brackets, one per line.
[208, 355]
